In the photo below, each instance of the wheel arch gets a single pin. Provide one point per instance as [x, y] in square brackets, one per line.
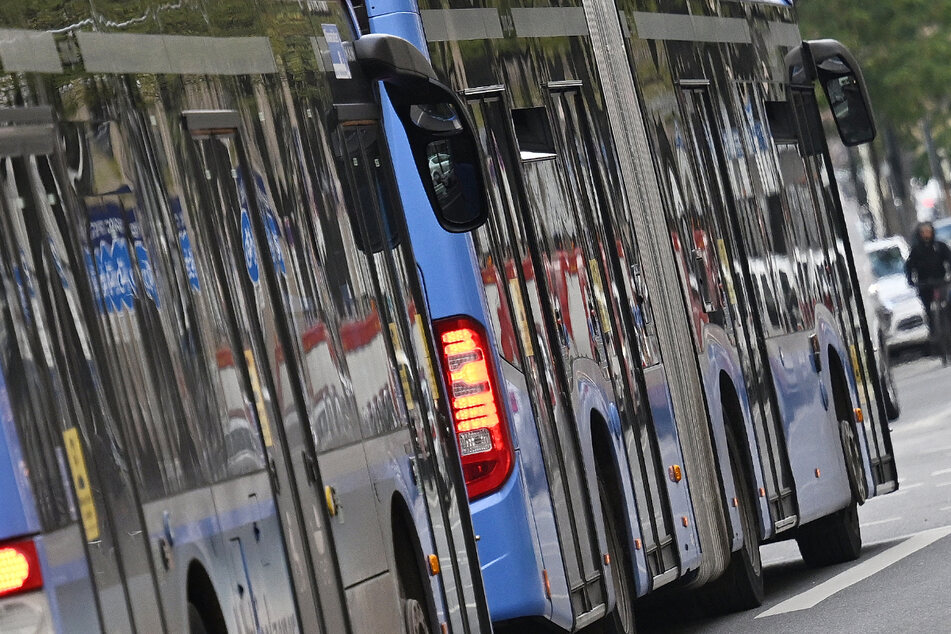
[411, 572]
[200, 591]
[734, 421]
[844, 409]
[737, 418]
[841, 387]
[605, 453]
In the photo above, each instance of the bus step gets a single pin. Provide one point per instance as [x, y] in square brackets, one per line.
[786, 523]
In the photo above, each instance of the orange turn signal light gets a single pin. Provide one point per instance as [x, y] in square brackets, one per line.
[675, 473]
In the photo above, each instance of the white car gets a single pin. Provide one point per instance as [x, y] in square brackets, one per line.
[908, 323]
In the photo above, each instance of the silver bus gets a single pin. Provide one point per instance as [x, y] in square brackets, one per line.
[218, 402]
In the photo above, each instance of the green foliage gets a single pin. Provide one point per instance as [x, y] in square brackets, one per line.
[905, 51]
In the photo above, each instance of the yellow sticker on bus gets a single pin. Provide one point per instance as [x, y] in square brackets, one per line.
[520, 316]
[727, 273]
[430, 369]
[77, 468]
[259, 399]
[401, 363]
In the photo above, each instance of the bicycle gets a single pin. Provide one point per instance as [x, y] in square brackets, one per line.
[939, 318]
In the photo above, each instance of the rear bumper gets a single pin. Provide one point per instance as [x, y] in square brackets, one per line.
[902, 338]
[511, 563]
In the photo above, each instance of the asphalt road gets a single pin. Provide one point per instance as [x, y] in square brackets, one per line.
[902, 582]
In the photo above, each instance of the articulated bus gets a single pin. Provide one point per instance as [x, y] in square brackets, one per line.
[219, 404]
[666, 294]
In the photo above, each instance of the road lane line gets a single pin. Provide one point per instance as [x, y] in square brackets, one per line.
[941, 472]
[877, 522]
[943, 484]
[863, 570]
[905, 487]
[937, 420]
[945, 508]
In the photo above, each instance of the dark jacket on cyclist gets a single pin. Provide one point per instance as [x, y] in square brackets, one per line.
[929, 262]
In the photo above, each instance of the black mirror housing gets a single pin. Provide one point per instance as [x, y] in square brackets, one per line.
[840, 76]
[441, 136]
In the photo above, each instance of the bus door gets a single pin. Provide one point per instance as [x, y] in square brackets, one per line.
[543, 291]
[63, 346]
[721, 267]
[584, 171]
[228, 226]
[841, 269]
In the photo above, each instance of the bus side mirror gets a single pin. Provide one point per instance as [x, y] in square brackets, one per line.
[840, 76]
[441, 136]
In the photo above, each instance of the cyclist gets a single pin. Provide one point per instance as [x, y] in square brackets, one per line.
[927, 266]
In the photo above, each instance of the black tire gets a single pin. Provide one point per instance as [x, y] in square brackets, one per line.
[944, 335]
[833, 539]
[892, 404]
[412, 584]
[853, 462]
[414, 617]
[940, 337]
[740, 587]
[621, 620]
[889, 393]
[196, 624]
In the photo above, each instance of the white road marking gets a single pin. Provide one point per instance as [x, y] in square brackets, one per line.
[864, 570]
[941, 472]
[945, 508]
[936, 420]
[943, 484]
[877, 522]
[905, 487]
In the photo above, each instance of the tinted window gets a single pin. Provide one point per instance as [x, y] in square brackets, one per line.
[887, 262]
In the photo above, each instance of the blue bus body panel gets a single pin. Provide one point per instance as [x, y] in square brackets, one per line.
[509, 548]
[662, 412]
[399, 21]
[511, 568]
[458, 291]
[721, 359]
[531, 470]
[16, 496]
[808, 412]
[591, 395]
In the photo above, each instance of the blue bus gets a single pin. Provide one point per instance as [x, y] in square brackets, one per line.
[662, 310]
[219, 404]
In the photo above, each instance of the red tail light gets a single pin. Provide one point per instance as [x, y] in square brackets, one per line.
[19, 568]
[477, 408]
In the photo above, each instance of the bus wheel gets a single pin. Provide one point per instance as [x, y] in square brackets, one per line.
[740, 587]
[889, 393]
[833, 539]
[853, 462]
[621, 619]
[196, 625]
[414, 617]
[892, 404]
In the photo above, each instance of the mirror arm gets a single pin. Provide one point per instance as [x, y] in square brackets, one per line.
[392, 59]
[810, 71]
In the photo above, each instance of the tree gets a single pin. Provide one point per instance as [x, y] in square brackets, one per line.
[905, 52]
